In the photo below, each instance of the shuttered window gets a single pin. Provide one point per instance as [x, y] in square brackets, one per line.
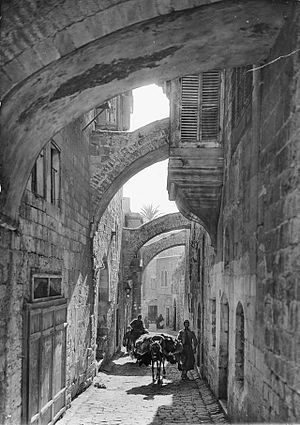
[189, 107]
[200, 107]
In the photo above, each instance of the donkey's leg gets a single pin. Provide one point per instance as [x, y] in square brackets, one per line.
[159, 381]
[164, 369]
[152, 365]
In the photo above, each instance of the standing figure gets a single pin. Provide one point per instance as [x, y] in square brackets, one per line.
[160, 322]
[189, 342]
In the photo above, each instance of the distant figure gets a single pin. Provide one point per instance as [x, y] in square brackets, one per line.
[189, 342]
[160, 322]
[137, 328]
[146, 322]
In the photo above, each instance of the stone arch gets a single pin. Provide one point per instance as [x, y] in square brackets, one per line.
[134, 239]
[53, 73]
[129, 154]
[169, 241]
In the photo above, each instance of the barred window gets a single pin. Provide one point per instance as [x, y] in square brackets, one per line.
[242, 81]
[200, 107]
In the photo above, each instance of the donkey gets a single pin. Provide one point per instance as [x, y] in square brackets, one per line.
[157, 359]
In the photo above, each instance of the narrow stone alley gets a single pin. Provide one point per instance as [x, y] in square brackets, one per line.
[122, 393]
[212, 237]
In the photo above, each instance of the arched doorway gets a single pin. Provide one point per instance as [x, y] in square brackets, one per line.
[103, 307]
[223, 349]
[239, 345]
[200, 344]
[174, 316]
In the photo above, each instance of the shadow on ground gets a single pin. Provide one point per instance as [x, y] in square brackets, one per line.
[152, 390]
[127, 369]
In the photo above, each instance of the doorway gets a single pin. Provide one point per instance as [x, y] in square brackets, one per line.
[44, 397]
[223, 349]
[174, 316]
[200, 344]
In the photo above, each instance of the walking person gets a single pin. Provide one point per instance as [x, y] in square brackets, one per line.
[189, 342]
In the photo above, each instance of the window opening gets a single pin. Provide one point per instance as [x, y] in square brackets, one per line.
[200, 107]
[213, 321]
[55, 174]
[203, 259]
[38, 175]
[46, 286]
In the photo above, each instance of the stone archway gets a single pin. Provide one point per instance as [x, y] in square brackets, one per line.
[128, 154]
[150, 251]
[53, 74]
[223, 348]
[134, 239]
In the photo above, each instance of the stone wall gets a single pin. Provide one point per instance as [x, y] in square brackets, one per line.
[256, 268]
[197, 282]
[50, 239]
[107, 245]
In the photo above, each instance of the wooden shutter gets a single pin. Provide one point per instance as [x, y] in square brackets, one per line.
[200, 107]
[189, 108]
[210, 106]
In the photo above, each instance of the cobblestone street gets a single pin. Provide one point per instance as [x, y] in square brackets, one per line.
[123, 394]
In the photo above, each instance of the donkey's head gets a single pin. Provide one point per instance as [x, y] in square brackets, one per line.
[156, 350]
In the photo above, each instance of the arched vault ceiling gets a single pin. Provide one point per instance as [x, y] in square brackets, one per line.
[132, 44]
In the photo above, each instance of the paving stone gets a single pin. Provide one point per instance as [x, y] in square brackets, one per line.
[131, 398]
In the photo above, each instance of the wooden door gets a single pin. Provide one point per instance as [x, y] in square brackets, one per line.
[45, 362]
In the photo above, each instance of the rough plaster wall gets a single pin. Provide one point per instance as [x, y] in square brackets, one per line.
[49, 240]
[261, 210]
[109, 245]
